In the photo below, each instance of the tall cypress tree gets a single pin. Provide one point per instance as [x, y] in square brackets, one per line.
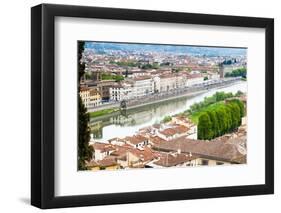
[205, 127]
[222, 120]
[240, 105]
[229, 118]
[214, 121]
[84, 150]
[235, 115]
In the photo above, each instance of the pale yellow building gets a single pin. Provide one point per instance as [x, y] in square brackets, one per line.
[90, 96]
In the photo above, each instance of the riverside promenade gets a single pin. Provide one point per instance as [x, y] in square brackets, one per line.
[167, 96]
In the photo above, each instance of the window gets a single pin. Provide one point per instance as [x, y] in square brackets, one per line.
[204, 162]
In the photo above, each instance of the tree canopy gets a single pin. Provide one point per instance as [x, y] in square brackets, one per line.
[217, 97]
[238, 72]
[220, 120]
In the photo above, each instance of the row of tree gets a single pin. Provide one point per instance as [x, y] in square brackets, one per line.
[131, 63]
[238, 72]
[109, 76]
[217, 97]
[223, 119]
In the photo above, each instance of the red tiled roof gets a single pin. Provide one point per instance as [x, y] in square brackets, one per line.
[136, 139]
[103, 147]
[108, 161]
[168, 160]
[179, 129]
[144, 155]
[168, 132]
[217, 149]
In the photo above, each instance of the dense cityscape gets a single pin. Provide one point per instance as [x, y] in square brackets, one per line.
[128, 85]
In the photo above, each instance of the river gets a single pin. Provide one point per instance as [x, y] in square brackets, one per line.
[129, 122]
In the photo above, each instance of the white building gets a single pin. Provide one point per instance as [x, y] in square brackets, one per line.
[136, 141]
[156, 84]
[168, 83]
[193, 79]
[173, 132]
[180, 81]
[142, 86]
[102, 150]
[121, 92]
[213, 76]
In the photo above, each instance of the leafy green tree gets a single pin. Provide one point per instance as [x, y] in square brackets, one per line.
[88, 75]
[205, 127]
[109, 76]
[84, 150]
[118, 78]
[217, 97]
[239, 93]
[167, 119]
[238, 72]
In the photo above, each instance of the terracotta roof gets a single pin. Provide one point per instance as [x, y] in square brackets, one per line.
[168, 132]
[184, 119]
[156, 139]
[121, 151]
[144, 155]
[116, 139]
[178, 129]
[216, 149]
[107, 161]
[92, 163]
[136, 139]
[103, 147]
[181, 129]
[141, 78]
[167, 76]
[195, 75]
[82, 89]
[168, 160]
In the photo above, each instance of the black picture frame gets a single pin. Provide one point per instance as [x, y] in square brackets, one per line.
[43, 105]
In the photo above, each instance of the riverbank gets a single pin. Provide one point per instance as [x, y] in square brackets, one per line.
[105, 113]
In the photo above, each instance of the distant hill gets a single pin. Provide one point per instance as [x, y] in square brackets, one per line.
[176, 49]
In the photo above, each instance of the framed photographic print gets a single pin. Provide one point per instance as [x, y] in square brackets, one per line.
[139, 106]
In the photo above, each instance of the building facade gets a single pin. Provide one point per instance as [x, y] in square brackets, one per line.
[142, 86]
[121, 92]
[91, 97]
